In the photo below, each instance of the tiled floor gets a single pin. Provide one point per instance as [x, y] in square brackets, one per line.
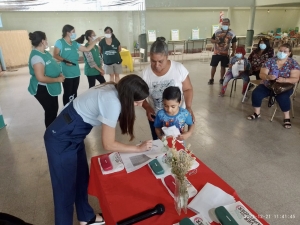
[259, 159]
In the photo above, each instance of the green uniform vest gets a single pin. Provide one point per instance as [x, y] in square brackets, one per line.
[52, 69]
[70, 53]
[110, 53]
[96, 56]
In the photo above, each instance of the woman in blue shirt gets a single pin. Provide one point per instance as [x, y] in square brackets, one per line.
[66, 51]
[104, 105]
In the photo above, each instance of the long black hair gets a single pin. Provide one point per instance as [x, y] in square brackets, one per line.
[267, 42]
[86, 36]
[130, 88]
[159, 46]
[67, 28]
[36, 37]
[111, 30]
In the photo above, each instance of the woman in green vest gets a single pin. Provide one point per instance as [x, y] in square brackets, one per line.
[46, 77]
[66, 51]
[92, 62]
[110, 48]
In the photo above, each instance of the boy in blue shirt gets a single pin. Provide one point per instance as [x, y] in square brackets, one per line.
[173, 114]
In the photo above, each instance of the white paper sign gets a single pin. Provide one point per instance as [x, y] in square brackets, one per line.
[195, 34]
[214, 28]
[151, 35]
[175, 35]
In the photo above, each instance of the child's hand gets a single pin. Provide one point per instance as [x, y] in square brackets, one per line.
[184, 136]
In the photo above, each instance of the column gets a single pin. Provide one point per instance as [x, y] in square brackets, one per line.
[130, 31]
[250, 31]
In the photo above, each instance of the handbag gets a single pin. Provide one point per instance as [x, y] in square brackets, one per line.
[276, 89]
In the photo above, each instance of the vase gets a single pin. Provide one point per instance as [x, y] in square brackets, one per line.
[181, 195]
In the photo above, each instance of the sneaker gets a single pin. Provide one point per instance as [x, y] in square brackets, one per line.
[221, 81]
[211, 81]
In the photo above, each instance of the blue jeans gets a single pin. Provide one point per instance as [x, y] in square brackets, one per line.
[282, 99]
[69, 170]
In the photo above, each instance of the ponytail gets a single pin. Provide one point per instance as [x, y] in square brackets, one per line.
[80, 40]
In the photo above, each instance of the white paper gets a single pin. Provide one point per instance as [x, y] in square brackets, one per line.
[238, 66]
[192, 191]
[241, 214]
[167, 168]
[198, 220]
[151, 35]
[175, 35]
[209, 197]
[135, 161]
[116, 162]
[195, 34]
[171, 131]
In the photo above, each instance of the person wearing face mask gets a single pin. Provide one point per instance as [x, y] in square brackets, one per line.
[110, 48]
[46, 77]
[222, 38]
[160, 74]
[66, 51]
[236, 61]
[259, 56]
[284, 69]
[92, 62]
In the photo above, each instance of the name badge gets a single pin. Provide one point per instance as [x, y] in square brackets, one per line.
[67, 49]
[48, 62]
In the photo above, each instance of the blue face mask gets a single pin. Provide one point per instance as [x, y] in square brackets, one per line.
[281, 55]
[73, 36]
[224, 27]
[239, 55]
[262, 46]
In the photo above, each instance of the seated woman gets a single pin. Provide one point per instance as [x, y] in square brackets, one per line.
[288, 71]
[238, 68]
[259, 56]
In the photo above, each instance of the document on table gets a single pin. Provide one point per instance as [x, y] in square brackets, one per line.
[241, 214]
[135, 161]
[209, 197]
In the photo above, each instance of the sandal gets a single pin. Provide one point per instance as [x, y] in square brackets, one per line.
[254, 116]
[94, 222]
[211, 81]
[221, 81]
[287, 123]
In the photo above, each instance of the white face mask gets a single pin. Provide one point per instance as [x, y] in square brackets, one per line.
[281, 55]
[46, 45]
[107, 35]
[94, 38]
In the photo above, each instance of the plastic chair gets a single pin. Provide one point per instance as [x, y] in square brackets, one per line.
[140, 58]
[255, 83]
[206, 54]
[292, 97]
[178, 50]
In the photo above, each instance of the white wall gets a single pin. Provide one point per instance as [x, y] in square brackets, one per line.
[126, 25]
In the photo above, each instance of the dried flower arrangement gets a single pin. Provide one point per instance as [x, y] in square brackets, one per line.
[180, 162]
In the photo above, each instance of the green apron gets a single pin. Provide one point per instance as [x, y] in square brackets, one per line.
[96, 56]
[52, 69]
[111, 53]
[70, 53]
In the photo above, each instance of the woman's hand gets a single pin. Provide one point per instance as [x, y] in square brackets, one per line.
[61, 78]
[271, 77]
[281, 80]
[150, 112]
[101, 72]
[192, 114]
[145, 146]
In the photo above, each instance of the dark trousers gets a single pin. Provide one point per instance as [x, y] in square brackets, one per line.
[49, 103]
[152, 128]
[282, 99]
[92, 80]
[69, 171]
[256, 73]
[70, 86]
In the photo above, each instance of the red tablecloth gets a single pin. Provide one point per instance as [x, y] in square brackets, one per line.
[122, 195]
